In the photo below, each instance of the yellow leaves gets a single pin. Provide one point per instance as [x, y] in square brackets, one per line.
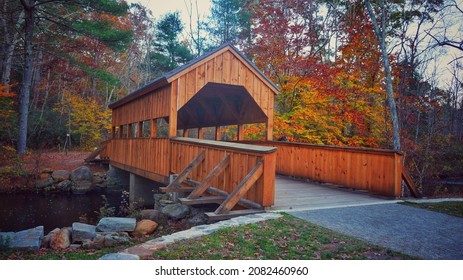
[87, 119]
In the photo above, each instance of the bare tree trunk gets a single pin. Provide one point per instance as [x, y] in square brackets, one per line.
[10, 41]
[381, 36]
[29, 8]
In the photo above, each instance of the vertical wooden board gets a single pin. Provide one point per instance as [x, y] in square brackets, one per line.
[173, 105]
[235, 70]
[268, 191]
[210, 72]
[249, 83]
[264, 91]
[190, 85]
[242, 75]
[226, 68]
[183, 92]
[201, 77]
[218, 68]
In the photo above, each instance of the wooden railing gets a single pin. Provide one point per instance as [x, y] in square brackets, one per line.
[147, 157]
[156, 159]
[243, 158]
[377, 171]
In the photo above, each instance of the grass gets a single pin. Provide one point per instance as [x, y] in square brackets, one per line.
[287, 238]
[46, 254]
[454, 208]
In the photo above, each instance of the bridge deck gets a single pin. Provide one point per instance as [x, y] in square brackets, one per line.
[293, 194]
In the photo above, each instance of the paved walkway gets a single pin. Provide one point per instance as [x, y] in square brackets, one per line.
[293, 195]
[417, 232]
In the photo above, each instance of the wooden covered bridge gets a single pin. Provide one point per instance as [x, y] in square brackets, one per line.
[150, 129]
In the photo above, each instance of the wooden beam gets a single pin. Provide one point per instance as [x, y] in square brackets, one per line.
[218, 137]
[241, 189]
[154, 128]
[173, 113]
[409, 182]
[200, 133]
[185, 132]
[242, 202]
[218, 169]
[175, 184]
[139, 129]
[203, 200]
[178, 189]
[240, 133]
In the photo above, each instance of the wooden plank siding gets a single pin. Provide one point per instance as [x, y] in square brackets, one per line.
[148, 154]
[226, 68]
[377, 171]
[149, 106]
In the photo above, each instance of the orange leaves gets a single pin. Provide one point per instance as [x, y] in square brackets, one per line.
[4, 91]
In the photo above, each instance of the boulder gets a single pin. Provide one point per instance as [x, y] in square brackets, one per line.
[116, 238]
[61, 239]
[198, 219]
[95, 243]
[81, 232]
[60, 175]
[119, 257]
[99, 177]
[176, 211]
[47, 170]
[82, 180]
[6, 238]
[145, 227]
[115, 224]
[30, 239]
[64, 186]
[45, 183]
[46, 239]
[44, 176]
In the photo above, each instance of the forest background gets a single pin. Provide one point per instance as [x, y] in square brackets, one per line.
[63, 62]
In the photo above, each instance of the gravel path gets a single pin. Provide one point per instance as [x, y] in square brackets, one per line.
[417, 232]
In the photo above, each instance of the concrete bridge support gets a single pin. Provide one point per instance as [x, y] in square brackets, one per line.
[142, 190]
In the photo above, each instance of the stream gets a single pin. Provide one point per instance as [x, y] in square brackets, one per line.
[25, 211]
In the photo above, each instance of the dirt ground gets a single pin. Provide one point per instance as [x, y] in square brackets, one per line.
[40, 160]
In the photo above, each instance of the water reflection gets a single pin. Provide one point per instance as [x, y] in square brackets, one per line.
[24, 211]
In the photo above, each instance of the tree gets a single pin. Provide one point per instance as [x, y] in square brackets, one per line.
[37, 12]
[381, 34]
[229, 21]
[448, 35]
[168, 53]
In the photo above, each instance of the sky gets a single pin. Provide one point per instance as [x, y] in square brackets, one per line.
[161, 7]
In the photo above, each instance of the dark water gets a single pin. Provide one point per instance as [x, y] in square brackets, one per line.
[24, 211]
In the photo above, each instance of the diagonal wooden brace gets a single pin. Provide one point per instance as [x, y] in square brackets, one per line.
[218, 169]
[241, 189]
[185, 172]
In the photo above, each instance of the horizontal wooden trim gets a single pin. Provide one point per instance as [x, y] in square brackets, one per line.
[325, 147]
[140, 172]
[226, 145]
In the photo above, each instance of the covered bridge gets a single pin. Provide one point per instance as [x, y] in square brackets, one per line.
[220, 88]
[223, 88]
